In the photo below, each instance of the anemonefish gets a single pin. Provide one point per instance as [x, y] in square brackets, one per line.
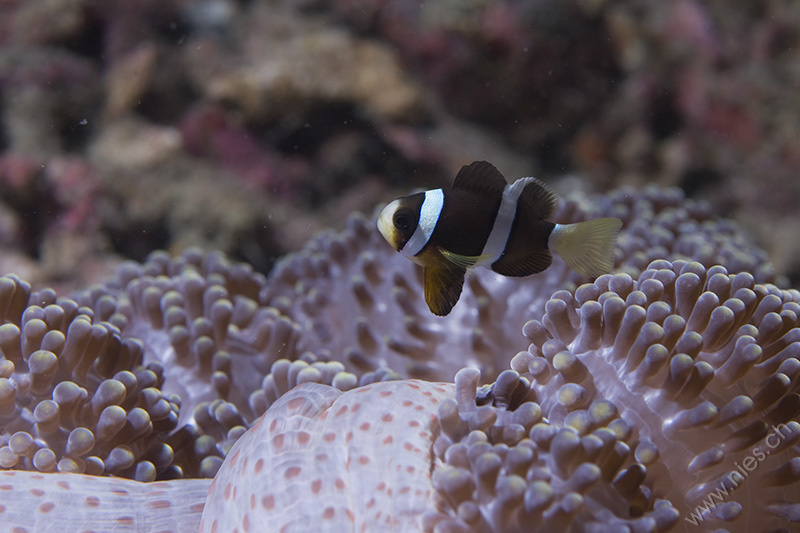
[483, 221]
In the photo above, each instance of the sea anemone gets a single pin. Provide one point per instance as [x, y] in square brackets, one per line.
[635, 400]
[700, 368]
[75, 394]
[147, 376]
[157, 373]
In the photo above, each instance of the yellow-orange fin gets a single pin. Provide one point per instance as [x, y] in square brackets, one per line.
[442, 288]
[587, 247]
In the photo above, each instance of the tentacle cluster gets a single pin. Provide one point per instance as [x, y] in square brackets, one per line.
[661, 223]
[153, 375]
[700, 369]
[503, 466]
[75, 395]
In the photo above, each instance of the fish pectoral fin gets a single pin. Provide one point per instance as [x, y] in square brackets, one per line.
[442, 288]
[461, 261]
[523, 265]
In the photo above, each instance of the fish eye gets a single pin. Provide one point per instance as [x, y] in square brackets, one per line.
[402, 221]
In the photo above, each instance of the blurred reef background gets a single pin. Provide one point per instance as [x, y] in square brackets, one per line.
[247, 126]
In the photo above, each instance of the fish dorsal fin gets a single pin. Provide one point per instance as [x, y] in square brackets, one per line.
[462, 261]
[480, 176]
[539, 197]
[442, 288]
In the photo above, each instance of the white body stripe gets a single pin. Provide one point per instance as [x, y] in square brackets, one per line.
[428, 217]
[501, 229]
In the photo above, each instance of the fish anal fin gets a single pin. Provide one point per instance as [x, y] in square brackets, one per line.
[540, 198]
[461, 261]
[587, 247]
[480, 176]
[442, 288]
[523, 265]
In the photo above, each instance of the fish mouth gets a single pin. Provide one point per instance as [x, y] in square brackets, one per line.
[385, 224]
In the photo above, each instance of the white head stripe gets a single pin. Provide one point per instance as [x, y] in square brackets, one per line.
[428, 217]
[501, 229]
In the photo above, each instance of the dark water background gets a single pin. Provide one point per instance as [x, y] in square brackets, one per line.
[247, 126]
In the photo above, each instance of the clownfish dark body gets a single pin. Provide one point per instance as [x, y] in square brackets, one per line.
[483, 221]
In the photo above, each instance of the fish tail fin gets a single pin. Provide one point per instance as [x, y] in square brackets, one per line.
[587, 247]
